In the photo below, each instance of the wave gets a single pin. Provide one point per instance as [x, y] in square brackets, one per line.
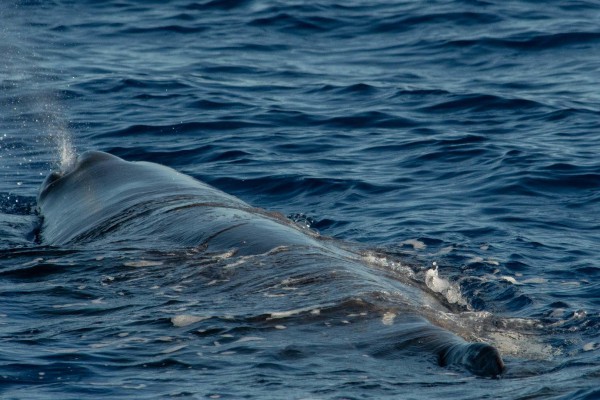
[483, 102]
[531, 42]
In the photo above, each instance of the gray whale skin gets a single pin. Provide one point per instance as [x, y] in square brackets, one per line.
[103, 200]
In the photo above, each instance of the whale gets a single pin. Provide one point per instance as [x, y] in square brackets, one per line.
[105, 202]
[103, 198]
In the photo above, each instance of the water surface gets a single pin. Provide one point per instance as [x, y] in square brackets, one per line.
[463, 133]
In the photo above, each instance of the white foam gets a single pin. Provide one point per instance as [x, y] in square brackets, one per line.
[134, 387]
[514, 281]
[285, 314]
[535, 280]
[445, 250]
[224, 256]
[416, 244]
[522, 345]
[69, 305]
[249, 339]
[173, 349]
[509, 279]
[185, 320]
[378, 260]
[388, 318]
[440, 285]
[591, 346]
[236, 262]
[478, 259]
[142, 263]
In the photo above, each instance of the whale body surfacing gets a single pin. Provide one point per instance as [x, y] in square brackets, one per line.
[104, 198]
[104, 201]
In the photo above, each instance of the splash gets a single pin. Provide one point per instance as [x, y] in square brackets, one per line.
[443, 286]
[66, 151]
[382, 261]
[33, 101]
[54, 122]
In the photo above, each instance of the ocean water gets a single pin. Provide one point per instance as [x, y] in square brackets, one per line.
[450, 144]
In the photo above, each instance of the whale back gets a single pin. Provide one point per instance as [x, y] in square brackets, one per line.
[103, 193]
[107, 202]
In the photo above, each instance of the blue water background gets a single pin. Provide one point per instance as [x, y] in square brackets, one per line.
[461, 132]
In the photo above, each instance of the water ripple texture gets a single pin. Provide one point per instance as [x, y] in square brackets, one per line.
[449, 145]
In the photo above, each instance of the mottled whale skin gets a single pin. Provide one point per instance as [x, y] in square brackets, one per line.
[103, 200]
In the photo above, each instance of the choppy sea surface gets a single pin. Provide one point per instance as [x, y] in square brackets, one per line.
[453, 142]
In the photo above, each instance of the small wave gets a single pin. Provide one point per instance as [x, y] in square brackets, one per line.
[566, 182]
[481, 102]
[572, 185]
[104, 85]
[372, 119]
[185, 320]
[159, 30]
[205, 104]
[185, 127]
[278, 188]
[531, 42]
[295, 24]
[404, 23]
[357, 88]
[218, 4]
[38, 268]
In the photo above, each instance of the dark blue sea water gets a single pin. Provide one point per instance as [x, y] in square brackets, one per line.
[463, 133]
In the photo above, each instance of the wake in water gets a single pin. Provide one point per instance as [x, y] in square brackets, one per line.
[523, 338]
